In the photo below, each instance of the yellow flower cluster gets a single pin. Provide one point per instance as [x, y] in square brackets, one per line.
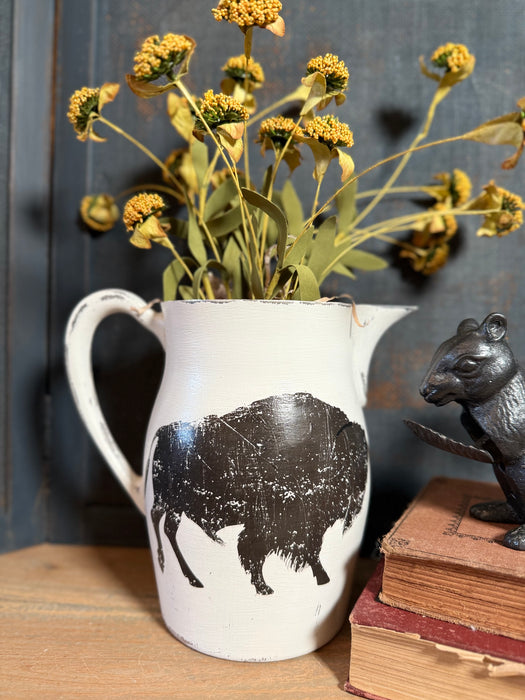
[82, 103]
[156, 57]
[99, 211]
[140, 207]
[452, 57]
[278, 129]
[247, 13]
[430, 260]
[511, 216]
[334, 70]
[330, 131]
[456, 187]
[236, 68]
[220, 108]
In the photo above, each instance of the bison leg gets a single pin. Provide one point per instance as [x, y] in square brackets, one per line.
[171, 526]
[156, 515]
[318, 571]
[252, 553]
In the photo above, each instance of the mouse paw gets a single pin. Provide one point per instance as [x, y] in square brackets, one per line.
[494, 512]
[515, 539]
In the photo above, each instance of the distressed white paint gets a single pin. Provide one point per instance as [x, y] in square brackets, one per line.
[222, 355]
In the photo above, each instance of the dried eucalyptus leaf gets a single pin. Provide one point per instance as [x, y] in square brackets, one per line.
[171, 279]
[293, 208]
[362, 260]
[502, 130]
[340, 269]
[226, 223]
[316, 84]
[307, 287]
[275, 213]
[186, 292]
[323, 249]
[195, 242]
[197, 279]
[346, 206]
[224, 196]
[180, 116]
[199, 156]
[231, 260]
[300, 247]
[146, 90]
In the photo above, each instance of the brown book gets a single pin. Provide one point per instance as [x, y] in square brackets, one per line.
[399, 655]
[441, 562]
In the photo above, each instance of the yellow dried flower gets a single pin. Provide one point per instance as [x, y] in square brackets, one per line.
[330, 131]
[457, 186]
[427, 261]
[509, 216]
[248, 13]
[217, 109]
[235, 67]
[85, 106]
[335, 71]
[278, 130]
[99, 211]
[158, 57]
[452, 57]
[82, 105]
[140, 207]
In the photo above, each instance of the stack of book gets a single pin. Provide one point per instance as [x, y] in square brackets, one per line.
[444, 615]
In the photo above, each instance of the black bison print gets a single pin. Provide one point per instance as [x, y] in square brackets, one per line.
[286, 467]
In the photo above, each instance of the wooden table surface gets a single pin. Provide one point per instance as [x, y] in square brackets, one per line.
[84, 622]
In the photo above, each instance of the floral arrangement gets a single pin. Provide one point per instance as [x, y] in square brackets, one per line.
[237, 239]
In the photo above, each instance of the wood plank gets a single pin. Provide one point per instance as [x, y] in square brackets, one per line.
[85, 622]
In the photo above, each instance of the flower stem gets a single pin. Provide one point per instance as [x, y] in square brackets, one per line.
[404, 160]
[138, 144]
[248, 39]
[351, 180]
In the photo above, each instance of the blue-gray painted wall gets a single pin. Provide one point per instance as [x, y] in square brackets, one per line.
[53, 484]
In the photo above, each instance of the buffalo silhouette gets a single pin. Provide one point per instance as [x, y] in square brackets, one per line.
[287, 467]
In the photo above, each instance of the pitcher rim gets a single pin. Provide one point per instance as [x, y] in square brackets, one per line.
[287, 302]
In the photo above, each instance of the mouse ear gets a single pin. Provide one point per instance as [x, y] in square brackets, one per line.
[495, 326]
[468, 324]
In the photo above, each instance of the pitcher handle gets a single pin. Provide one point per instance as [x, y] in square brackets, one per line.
[83, 322]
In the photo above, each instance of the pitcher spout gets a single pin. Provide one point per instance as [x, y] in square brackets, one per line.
[375, 321]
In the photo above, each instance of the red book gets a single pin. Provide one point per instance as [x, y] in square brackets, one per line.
[440, 561]
[400, 655]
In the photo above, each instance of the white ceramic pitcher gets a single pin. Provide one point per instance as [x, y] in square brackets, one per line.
[255, 483]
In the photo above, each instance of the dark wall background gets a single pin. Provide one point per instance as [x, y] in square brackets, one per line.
[53, 484]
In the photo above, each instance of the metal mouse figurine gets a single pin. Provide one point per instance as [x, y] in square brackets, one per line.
[477, 369]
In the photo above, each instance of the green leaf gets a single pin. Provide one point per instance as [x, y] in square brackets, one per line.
[323, 249]
[300, 247]
[195, 242]
[178, 227]
[199, 158]
[197, 279]
[274, 212]
[293, 208]
[502, 130]
[316, 82]
[346, 207]
[171, 278]
[186, 292]
[307, 287]
[226, 223]
[231, 260]
[362, 260]
[340, 269]
[220, 199]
